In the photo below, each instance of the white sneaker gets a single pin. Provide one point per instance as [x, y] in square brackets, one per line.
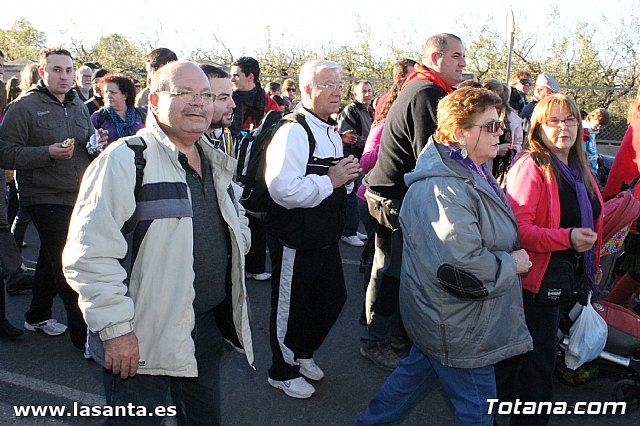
[87, 352]
[51, 327]
[310, 370]
[363, 237]
[295, 388]
[258, 277]
[352, 241]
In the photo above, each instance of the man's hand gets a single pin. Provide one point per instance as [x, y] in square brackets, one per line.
[349, 137]
[121, 355]
[59, 152]
[582, 239]
[345, 171]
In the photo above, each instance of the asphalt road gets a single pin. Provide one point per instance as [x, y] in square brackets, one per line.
[46, 370]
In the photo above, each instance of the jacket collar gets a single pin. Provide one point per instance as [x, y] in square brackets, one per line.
[325, 123]
[435, 161]
[361, 106]
[41, 88]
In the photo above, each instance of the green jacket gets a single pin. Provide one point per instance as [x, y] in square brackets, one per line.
[32, 123]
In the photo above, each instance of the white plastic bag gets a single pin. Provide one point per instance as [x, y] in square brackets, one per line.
[587, 337]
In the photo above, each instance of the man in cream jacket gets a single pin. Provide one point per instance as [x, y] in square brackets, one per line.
[159, 325]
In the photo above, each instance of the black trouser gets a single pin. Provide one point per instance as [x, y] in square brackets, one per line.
[307, 295]
[52, 223]
[531, 374]
[381, 301]
[10, 257]
[254, 261]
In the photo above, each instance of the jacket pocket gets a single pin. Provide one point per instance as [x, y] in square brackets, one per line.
[49, 131]
[479, 323]
[83, 125]
[384, 210]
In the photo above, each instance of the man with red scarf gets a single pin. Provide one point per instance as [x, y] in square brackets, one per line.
[252, 102]
[409, 124]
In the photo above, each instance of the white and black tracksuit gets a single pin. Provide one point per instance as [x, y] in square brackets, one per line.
[304, 225]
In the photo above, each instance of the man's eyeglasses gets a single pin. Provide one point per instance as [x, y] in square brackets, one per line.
[189, 96]
[331, 86]
[525, 82]
[491, 127]
[556, 122]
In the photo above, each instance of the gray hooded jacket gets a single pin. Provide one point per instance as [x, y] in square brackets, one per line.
[460, 295]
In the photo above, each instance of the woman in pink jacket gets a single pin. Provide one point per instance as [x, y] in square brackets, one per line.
[559, 211]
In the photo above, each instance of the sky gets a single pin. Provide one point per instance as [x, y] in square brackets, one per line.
[245, 26]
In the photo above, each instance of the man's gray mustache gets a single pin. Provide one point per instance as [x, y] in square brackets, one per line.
[199, 111]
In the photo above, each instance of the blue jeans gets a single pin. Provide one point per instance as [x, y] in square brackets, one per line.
[197, 399]
[467, 388]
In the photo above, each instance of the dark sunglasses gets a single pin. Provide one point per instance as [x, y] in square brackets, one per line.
[291, 89]
[525, 82]
[491, 127]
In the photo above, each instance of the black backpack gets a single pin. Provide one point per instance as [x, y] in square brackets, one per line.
[252, 158]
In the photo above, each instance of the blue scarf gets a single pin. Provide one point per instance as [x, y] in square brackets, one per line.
[123, 128]
[572, 175]
[456, 154]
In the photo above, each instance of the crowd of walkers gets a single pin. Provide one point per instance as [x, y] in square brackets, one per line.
[482, 215]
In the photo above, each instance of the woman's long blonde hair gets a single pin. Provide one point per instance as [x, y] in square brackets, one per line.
[541, 153]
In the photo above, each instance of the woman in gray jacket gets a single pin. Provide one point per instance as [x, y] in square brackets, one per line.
[460, 294]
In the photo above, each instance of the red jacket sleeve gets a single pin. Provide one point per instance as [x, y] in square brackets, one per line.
[536, 204]
[271, 105]
[626, 165]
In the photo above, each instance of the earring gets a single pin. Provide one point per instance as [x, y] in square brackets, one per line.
[463, 151]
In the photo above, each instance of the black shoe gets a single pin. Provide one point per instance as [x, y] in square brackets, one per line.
[23, 284]
[8, 331]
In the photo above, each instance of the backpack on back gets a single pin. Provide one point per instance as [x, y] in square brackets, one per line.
[252, 158]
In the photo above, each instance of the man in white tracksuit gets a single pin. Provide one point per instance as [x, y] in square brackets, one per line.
[305, 224]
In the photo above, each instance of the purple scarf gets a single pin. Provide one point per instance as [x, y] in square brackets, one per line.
[572, 175]
[456, 154]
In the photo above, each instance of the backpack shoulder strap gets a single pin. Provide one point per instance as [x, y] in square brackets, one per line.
[300, 119]
[138, 145]
[134, 230]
